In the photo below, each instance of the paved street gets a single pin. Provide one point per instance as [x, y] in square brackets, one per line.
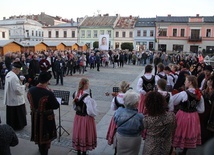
[100, 83]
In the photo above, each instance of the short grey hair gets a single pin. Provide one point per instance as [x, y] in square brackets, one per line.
[131, 99]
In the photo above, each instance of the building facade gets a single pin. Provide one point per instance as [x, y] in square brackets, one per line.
[144, 34]
[185, 33]
[4, 33]
[124, 31]
[61, 32]
[92, 27]
[23, 29]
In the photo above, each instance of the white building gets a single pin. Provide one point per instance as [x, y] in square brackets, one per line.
[61, 32]
[4, 33]
[23, 29]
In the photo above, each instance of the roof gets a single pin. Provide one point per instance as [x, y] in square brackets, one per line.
[19, 21]
[69, 43]
[30, 43]
[126, 22]
[209, 19]
[5, 42]
[62, 25]
[145, 22]
[52, 43]
[101, 21]
[172, 19]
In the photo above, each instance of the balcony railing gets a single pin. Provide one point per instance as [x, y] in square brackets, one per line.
[195, 39]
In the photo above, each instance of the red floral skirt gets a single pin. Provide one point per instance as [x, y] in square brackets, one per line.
[188, 131]
[84, 135]
[111, 131]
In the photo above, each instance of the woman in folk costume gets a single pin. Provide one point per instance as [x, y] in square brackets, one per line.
[145, 84]
[207, 118]
[84, 135]
[117, 102]
[188, 131]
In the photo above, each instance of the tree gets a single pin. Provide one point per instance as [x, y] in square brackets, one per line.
[95, 44]
[128, 46]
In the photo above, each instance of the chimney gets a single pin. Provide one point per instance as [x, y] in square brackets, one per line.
[72, 21]
[197, 15]
[99, 15]
[169, 15]
[116, 15]
[130, 17]
[4, 18]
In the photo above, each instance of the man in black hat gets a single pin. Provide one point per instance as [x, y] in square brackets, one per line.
[14, 98]
[42, 103]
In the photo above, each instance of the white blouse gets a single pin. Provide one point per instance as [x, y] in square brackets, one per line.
[91, 105]
[182, 96]
[120, 97]
[140, 83]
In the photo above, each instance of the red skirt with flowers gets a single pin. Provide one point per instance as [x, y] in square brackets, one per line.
[84, 135]
[111, 131]
[141, 106]
[188, 131]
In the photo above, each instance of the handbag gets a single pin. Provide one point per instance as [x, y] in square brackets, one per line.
[210, 122]
[81, 63]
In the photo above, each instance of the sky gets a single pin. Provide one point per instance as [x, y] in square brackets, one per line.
[80, 8]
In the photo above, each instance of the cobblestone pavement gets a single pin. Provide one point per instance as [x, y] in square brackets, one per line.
[100, 82]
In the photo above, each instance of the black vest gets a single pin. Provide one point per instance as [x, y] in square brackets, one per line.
[191, 103]
[117, 103]
[148, 84]
[162, 77]
[81, 106]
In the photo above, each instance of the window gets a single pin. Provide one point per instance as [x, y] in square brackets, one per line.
[130, 34]
[151, 45]
[117, 34]
[151, 33]
[101, 32]
[109, 33]
[144, 33]
[57, 34]
[3, 34]
[163, 32]
[36, 33]
[174, 33]
[39, 34]
[88, 33]
[95, 34]
[65, 34]
[124, 34]
[83, 33]
[27, 31]
[32, 33]
[177, 47]
[182, 32]
[73, 34]
[195, 33]
[42, 34]
[138, 33]
[208, 34]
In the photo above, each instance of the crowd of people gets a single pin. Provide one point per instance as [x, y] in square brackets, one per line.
[172, 108]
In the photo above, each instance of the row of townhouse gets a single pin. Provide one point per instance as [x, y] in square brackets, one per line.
[165, 33]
